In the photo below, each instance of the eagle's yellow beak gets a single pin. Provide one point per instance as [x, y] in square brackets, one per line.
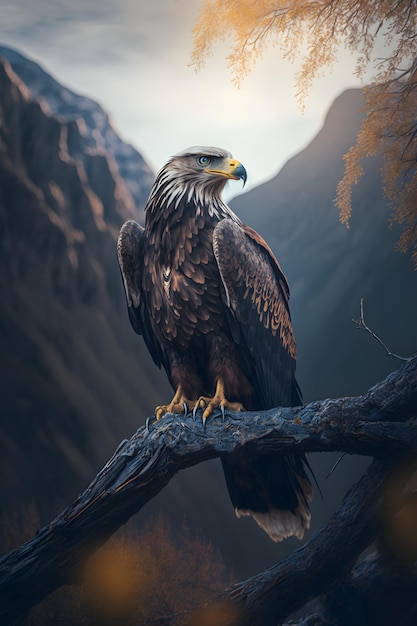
[232, 169]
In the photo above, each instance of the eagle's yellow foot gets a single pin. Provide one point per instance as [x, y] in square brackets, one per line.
[178, 405]
[218, 401]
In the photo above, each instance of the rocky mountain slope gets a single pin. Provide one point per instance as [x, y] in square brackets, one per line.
[72, 382]
[330, 268]
[75, 379]
[98, 134]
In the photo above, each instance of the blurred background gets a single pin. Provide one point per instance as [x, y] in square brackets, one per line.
[93, 100]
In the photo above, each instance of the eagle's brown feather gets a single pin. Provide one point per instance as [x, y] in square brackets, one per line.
[211, 301]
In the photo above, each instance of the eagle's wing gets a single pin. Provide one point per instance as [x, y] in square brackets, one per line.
[130, 253]
[256, 300]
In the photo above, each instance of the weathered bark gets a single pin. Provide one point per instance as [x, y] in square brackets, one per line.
[381, 591]
[268, 598]
[378, 424]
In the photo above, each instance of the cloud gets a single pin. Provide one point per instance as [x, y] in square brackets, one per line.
[98, 28]
[133, 57]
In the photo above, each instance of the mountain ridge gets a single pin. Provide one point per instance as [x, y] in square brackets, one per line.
[93, 123]
[330, 267]
[62, 301]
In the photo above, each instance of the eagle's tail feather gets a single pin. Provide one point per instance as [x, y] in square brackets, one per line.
[279, 524]
[275, 491]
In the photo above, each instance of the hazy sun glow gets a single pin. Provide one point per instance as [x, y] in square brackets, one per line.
[134, 58]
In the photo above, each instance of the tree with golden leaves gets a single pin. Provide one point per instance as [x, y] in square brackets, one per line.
[317, 30]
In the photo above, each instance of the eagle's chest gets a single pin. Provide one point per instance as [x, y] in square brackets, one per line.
[183, 285]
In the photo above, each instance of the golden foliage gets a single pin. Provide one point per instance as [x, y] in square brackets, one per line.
[137, 578]
[398, 521]
[316, 30]
[222, 615]
[143, 577]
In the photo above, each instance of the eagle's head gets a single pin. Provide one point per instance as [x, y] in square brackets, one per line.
[206, 166]
[198, 173]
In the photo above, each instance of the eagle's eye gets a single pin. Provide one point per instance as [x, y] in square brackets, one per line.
[203, 160]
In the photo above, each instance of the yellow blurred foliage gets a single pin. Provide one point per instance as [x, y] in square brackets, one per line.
[114, 579]
[316, 31]
[222, 615]
[399, 519]
[151, 574]
[138, 577]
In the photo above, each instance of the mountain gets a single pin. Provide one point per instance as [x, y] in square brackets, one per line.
[330, 268]
[75, 379]
[94, 125]
[73, 382]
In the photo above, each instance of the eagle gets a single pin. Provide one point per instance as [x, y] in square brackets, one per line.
[211, 302]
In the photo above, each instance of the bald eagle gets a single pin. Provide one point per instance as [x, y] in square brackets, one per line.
[211, 302]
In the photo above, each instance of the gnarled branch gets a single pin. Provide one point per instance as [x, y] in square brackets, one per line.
[378, 424]
[268, 598]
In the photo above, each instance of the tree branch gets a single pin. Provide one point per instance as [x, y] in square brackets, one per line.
[380, 591]
[377, 424]
[362, 325]
[268, 598]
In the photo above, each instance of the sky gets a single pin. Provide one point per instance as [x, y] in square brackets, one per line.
[133, 57]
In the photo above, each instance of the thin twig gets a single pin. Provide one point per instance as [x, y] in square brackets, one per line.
[335, 465]
[361, 324]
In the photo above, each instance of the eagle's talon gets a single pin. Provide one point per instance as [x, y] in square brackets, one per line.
[179, 405]
[176, 408]
[162, 410]
[201, 403]
[148, 419]
[220, 402]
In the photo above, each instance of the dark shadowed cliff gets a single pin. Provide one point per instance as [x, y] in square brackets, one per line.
[330, 267]
[71, 380]
[75, 379]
